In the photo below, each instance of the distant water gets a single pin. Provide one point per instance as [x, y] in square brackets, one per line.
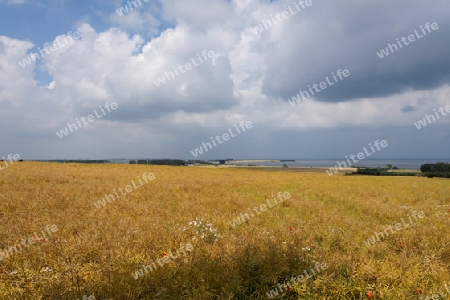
[413, 164]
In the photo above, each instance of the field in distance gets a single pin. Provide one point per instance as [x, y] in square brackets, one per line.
[194, 233]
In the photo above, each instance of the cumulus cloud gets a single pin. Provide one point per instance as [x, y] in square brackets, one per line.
[251, 76]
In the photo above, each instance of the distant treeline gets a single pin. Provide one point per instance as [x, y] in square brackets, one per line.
[94, 161]
[168, 162]
[439, 169]
[381, 172]
[78, 161]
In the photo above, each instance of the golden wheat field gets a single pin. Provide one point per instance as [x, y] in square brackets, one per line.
[176, 236]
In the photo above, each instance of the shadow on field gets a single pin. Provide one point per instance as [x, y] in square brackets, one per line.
[211, 271]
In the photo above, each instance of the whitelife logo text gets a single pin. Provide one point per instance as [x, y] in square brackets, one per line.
[411, 38]
[128, 189]
[243, 217]
[124, 9]
[31, 240]
[423, 123]
[360, 155]
[187, 67]
[398, 226]
[49, 49]
[65, 132]
[11, 158]
[320, 87]
[281, 16]
[224, 136]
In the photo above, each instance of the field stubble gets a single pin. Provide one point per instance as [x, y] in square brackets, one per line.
[326, 220]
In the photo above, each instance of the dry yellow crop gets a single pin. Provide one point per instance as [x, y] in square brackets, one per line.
[96, 252]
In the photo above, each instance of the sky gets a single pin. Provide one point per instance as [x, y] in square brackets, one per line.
[158, 79]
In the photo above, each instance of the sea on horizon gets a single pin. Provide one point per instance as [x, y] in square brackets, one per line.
[412, 164]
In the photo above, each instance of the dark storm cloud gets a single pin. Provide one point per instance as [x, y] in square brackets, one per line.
[348, 35]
